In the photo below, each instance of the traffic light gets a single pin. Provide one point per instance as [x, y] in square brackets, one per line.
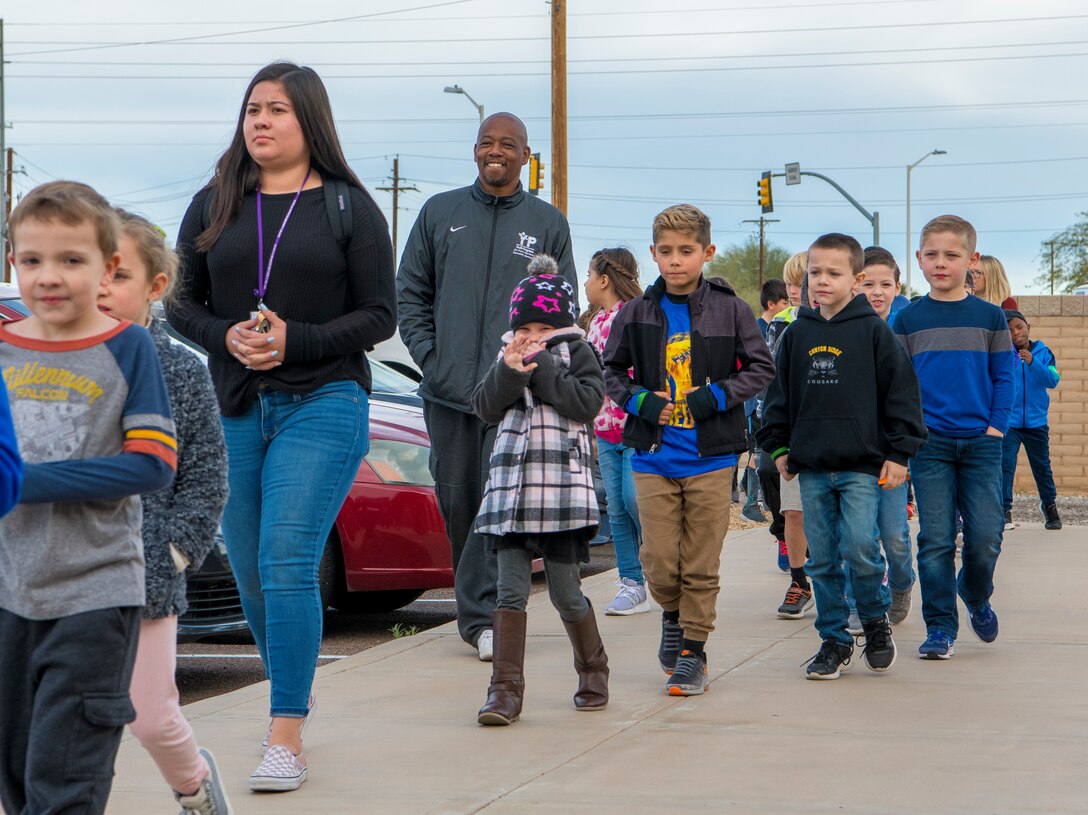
[536, 174]
[765, 193]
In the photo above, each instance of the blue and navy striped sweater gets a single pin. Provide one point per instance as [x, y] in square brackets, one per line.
[962, 353]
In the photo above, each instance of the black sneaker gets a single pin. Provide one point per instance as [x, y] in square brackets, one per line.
[1050, 514]
[832, 658]
[669, 649]
[1008, 520]
[753, 513]
[690, 677]
[879, 653]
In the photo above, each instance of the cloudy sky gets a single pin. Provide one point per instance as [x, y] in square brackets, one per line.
[682, 101]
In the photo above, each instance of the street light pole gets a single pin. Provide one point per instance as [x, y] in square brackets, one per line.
[907, 258]
[460, 90]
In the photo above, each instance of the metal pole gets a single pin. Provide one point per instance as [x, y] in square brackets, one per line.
[908, 259]
[876, 228]
[4, 201]
[761, 223]
[5, 213]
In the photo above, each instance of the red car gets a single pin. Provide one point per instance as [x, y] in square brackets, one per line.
[389, 543]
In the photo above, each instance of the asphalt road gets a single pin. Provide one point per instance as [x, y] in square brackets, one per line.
[217, 666]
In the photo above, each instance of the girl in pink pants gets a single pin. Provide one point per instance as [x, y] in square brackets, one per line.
[179, 523]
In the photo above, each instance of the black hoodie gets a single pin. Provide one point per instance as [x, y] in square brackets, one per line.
[845, 397]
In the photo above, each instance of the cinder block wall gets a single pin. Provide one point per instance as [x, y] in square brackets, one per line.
[1062, 323]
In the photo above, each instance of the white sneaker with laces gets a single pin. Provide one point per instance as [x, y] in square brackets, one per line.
[279, 771]
[485, 645]
[631, 599]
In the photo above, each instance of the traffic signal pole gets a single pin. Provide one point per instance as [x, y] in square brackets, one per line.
[765, 198]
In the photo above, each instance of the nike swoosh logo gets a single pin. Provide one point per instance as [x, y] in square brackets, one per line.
[458, 228]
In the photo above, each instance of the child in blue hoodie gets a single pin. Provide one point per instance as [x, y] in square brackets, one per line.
[1036, 372]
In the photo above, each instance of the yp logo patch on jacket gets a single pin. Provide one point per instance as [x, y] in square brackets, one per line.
[526, 245]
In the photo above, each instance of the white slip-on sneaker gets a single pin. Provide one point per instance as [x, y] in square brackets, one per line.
[279, 771]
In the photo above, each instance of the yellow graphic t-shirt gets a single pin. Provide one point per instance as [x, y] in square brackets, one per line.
[678, 371]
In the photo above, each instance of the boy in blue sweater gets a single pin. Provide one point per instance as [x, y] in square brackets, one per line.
[962, 353]
[1036, 371]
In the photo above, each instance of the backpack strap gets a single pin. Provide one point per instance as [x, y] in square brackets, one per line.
[338, 207]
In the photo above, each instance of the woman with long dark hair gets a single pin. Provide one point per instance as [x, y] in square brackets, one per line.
[286, 305]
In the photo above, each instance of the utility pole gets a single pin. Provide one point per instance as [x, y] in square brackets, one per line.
[396, 189]
[559, 105]
[762, 222]
[5, 213]
[5, 188]
[1051, 245]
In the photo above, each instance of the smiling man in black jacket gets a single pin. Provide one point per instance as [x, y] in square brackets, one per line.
[843, 415]
[466, 253]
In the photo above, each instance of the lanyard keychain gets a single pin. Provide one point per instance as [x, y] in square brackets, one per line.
[265, 272]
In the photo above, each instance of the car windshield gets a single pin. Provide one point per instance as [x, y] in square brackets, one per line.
[386, 380]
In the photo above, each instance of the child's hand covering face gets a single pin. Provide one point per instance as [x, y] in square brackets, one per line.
[517, 350]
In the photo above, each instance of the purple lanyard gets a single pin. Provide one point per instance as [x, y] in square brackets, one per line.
[263, 272]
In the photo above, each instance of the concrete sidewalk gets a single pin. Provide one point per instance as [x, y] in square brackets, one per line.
[999, 728]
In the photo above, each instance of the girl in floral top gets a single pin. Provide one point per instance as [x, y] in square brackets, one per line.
[612, 281]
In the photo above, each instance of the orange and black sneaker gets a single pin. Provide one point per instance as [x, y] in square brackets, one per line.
[690, 677]
[798, 600]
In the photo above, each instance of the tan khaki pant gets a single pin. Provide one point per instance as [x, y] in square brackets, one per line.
[684, 522]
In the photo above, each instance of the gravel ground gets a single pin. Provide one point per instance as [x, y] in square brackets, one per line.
[1073, 509]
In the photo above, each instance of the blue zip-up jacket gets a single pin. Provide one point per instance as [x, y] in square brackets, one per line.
[1030, 400]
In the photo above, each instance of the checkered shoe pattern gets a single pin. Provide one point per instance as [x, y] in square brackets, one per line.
[280, 770]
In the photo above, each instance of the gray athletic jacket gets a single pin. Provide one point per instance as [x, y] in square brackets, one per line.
[466, 253]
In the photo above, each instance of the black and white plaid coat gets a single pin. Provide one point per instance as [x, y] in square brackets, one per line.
[541, 468]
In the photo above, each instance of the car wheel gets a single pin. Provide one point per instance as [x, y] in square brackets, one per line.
[376, 602]
[330, 572]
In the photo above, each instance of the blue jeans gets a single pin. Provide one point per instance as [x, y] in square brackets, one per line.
[292, 460]
[840, 524]
[948, 473]
[1036, 441]
[619, 486]
[891, 523]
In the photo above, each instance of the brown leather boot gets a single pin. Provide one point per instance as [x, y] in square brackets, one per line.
[503, 704]
[590, 661]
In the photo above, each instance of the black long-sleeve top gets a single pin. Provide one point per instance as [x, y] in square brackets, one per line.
[337, 305]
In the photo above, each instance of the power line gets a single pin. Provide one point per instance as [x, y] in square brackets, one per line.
[203, 39]
[626, 13]
[198, 37]
[588, 60]
[744, 114]
[385, 77]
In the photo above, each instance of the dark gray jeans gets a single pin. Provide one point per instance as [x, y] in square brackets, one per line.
[564, 584]
[63, 706]
[460, 461]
